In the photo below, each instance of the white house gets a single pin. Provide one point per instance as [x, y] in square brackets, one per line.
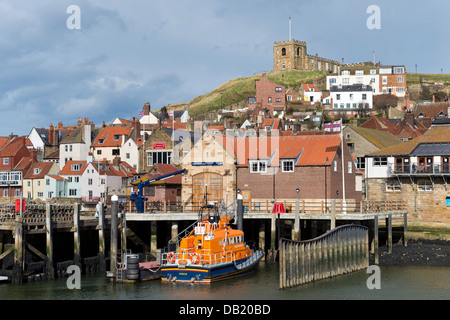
[55, 186]
[311, 93]
[129, 152]
[72, 172]
[76, 146]
[350, 100]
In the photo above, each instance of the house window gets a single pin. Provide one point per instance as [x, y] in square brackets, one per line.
[72, 192]
[269, 100]
[76, 167]
[47, 182]
[338, 97]
[116, 152]
[117, 137]
[99, 151]
[349, 167]
[127, 155]
[278, 99]
[380, 161]
[400, 79]
[361, 163]
[424, 186]
[392, 186]
[335, 165]
[37, 170]
[40, 194]
[17, 192]
[90, 182]
[102, 181]
[101, 140]
[5, 160]
[77, 179]
[384, 79]
[150, 191]
[258, 166]
[364, 96]
[5, 192]
[278, 89]
[164, 157]
[359, 72]
[288, 166]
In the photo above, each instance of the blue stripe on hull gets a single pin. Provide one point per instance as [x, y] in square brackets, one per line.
[204, 274]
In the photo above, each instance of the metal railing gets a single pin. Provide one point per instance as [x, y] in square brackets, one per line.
[414, 169]
[191, 258]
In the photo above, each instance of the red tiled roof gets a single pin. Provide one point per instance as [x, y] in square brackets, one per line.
[11, 147]
[67, 169]
[56, 177]
[45, 168]
[310, 87]
[160, 169]
[107, 135]
[310, 150]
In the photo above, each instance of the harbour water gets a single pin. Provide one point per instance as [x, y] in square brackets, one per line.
[397, 283]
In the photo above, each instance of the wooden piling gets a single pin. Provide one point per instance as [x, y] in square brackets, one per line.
[101, 238]
[341, 250]
[405, 229]
[49, 241]
[389, 231]
[375, 238]
[17, 276]
[113, 250]
[76, 235]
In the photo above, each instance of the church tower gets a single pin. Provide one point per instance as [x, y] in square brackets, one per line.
[289, 55]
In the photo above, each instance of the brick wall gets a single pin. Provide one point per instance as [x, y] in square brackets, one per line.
[265, 90]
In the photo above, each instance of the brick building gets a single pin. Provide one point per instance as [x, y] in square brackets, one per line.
[268, 95]
[15, 159]
[163, 190]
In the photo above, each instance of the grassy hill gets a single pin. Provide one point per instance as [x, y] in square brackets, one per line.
[240, 89]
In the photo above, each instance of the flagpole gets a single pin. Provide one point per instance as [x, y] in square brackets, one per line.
[344, 204]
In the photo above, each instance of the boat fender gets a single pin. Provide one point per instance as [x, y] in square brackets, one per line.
[171, 257]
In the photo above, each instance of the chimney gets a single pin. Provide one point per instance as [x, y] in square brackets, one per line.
[409, 117]
[116, 161]
[137, 128]
[146, 108]
[87, 134]
[51, 135]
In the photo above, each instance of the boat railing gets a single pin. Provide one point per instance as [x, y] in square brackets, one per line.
[192, 258]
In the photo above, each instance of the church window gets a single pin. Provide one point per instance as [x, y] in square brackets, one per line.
[283, 51]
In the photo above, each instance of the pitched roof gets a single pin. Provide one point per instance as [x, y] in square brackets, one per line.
[310, 87]
[309, 150]
[436, 134]
[380, 138]
[432, 110]
[107, 137]
[44, 169]
[378, 123]
[160, 169]
[67, 169]
[56, 177]
[12, 146]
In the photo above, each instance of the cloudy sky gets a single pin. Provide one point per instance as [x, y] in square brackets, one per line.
[129, 52]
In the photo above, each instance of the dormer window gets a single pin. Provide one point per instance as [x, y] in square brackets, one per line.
[101, 140]
[76, 167]
[117, 137]
[37, 170]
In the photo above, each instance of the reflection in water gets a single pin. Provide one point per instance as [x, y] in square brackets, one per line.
[397, 282]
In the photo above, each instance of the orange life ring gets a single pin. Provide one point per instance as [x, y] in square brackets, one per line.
[194, 258]
[171, 257]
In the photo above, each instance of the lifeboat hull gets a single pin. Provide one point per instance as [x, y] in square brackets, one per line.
[210, 273]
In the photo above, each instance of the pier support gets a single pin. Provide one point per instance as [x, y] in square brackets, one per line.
[333, 214]
[273, 234]
[49, 241]
[375, 239]
[296, 234]
[113, 251]
[76, 235]
[262, 237]
[174, 229]
[240, 214]
[153, 238]
[389, 232]
[19, 250]
[101, 237]
[405, 229]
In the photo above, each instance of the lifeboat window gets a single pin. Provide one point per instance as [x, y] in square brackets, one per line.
[220, 242]
[231, 240]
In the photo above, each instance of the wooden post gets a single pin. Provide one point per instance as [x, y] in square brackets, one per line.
[273, 233]
[296, 235]
[49, 241]
[113, 250]
[262, 237]
[153, 237]
[101, 238]
[76, 235]
[17, 276]
[174, 229]
[375, 240]
[333, 214]
[389, 230]
[405, 229]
